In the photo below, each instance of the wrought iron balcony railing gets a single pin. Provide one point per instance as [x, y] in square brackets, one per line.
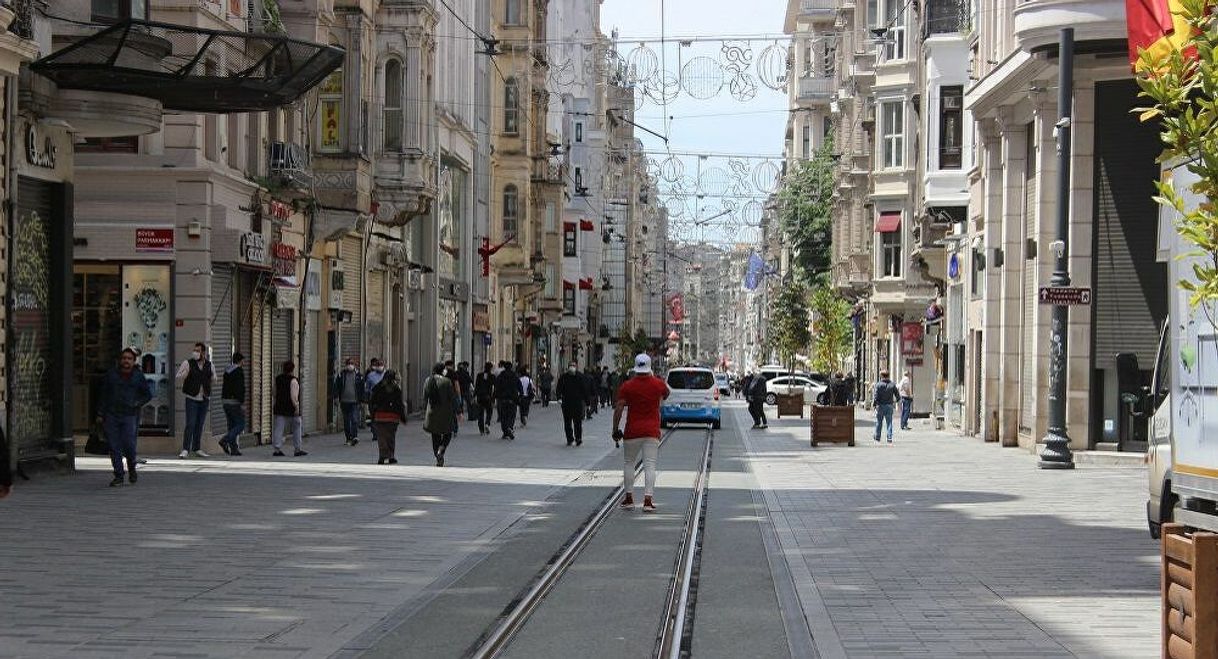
[289, 165]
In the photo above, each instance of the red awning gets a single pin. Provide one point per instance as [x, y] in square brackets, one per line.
[568, 226]
[889, 221]
[586, 225]
[585, 284]
[567, 285]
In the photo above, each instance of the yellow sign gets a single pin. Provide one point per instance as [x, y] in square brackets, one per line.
[330, 114]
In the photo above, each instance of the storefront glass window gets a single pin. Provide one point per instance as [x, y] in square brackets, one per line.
[96, 335]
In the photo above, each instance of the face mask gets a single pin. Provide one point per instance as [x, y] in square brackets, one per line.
[350, 367]
[196, 356]
[379, 369]
[571, 369]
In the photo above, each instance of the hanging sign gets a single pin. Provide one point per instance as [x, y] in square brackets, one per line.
[283, 260]
[911, 339]
[252, 249]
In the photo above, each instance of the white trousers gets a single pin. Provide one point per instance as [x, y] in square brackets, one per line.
[286, 424]
[650, 447]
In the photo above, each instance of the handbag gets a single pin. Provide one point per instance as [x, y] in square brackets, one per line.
[97, 444]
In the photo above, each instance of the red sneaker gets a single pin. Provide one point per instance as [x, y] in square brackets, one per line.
[648, 505]
[628, 502]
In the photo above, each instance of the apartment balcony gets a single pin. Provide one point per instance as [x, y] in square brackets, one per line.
[549, 170]
[816, 89]
[1038, 23]
[806, 12]
[946, 17]
[16, 36]
[343, 180]
[288, 166]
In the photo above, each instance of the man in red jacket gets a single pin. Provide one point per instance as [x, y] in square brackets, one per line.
[641, 395]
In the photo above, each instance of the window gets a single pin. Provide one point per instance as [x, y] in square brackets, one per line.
[551, 285]
[828, 126]
[579, 132]
[392, 111]
[330, 99]
[511, 106]
[551, 217]
[807, 141]
[829, 57]
[129, 144]
[808, 59]
[894, 36]
[695, 380]
[977, 281]
[568, 299]
[117, 10]
[892, 134]
[889, 228]
[511, 198]
[579, 177]
[568, 239]
[512, 13]
[951, 128]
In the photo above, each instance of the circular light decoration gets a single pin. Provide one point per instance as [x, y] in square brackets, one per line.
[742, 88]
[664, 87]
[765, 176]
[751, 214]
[702, 78]
[642, 64]
[737, 56]
[671, 169]
[772, 67]
[713, 181]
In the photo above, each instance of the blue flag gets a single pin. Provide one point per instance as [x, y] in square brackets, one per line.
[754, 273]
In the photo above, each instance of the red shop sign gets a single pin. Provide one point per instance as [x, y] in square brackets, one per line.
[154, 240]
[911, 339]
[283, 260]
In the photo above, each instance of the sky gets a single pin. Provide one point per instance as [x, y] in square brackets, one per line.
[720, 124]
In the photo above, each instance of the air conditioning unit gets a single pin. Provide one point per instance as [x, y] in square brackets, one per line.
[414, 280]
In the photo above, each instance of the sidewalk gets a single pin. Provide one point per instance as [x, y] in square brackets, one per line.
[940, 545]
[260, 556]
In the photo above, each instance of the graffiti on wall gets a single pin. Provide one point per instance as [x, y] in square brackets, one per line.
[31, 300]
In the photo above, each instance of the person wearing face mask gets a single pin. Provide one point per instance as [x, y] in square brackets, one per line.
[572, 396]
[484, 397]
[197, 376]
[348, 389]
[372, 377]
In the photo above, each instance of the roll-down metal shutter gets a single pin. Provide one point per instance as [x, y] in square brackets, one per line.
[30, 358]
[352, 250]
[376, 314]
[313, 370]
[1027, 371]
[223, 296]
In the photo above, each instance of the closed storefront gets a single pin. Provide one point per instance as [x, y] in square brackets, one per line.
[1027, 379]
[222, 343]
[352, 253]
[375, 328]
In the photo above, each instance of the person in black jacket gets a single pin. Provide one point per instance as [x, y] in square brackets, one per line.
[484, 397]
[232, 396]
[124, 392]
[388, 410]
[507, 397]
[572, 396]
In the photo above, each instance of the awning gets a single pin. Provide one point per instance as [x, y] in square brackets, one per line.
[286, 282]
[192, 69]
[889, 222]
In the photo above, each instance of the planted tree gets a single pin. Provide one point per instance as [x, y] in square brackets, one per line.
[834, 338]
[789, 322]
[805, 203]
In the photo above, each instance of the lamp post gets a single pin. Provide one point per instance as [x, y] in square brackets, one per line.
[1056, 452]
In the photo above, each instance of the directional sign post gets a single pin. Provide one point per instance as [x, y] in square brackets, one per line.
[1065, 295]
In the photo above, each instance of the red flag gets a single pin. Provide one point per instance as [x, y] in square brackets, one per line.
[585, 284]
[676, 306]
[586, 225]
[1155, 26]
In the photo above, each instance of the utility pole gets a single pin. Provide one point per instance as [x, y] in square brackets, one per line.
[1056, 452]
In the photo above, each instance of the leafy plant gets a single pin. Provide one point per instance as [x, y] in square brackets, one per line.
[1184, 91]
[834, 338]
[789, 322]
[805, 203]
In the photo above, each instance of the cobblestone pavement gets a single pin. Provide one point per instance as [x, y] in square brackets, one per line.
[940, 546]
[260, 556]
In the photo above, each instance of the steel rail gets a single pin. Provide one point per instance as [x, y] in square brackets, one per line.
[675, 636]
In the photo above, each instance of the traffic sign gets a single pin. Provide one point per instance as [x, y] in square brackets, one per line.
[1065, 295]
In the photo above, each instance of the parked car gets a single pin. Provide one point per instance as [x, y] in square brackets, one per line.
[724, 385]
[792, 384]
[694, 398]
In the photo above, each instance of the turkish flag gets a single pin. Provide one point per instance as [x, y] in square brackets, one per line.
[1155, 26]
[586, 225]
[585, 284]
[676, 306]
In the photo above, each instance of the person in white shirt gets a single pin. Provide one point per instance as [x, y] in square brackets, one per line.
[526, 398]
[286, 410]
[905, 387]
[197, 375]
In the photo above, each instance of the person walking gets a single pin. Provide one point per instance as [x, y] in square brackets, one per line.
[755, 394]
[526, 395]
[839, 390]
[484, 397]
[123, 394]
[572, 398]
[232, 398]
[507, 398]
[197, 375]
[388, 410]
[439, 419]
[640, 398]
[372, 377]
[905, 388]
[884, 396]
[465, 384]
[545, 382]
[286, 408]
[590, 386]
[603, 387]
[349, 389]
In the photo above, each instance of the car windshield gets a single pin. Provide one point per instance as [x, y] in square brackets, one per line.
[691, 380]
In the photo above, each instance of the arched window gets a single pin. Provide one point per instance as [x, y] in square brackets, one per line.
[511, 225]
[392, 109]
[511, 14]
[511, 106]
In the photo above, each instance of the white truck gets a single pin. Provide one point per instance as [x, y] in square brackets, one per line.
[1183, 453]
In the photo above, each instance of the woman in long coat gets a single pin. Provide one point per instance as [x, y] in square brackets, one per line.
[440, 419]
[388, 410]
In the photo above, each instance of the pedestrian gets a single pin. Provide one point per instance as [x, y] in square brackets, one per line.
[286, 408]
[590, 386]
[755, 394]
[439, 419]
[884, 396]
[465, 384]
[349, 389]
[572, 398]
[232, 398]
[906, 390]
[372, 377]
[603, 387]
[507, 399]
[484, 396]
[640, 398]
[388, 410]
[526, 395]
[197, 375]
[839, 390]
[615, 381]
[852, 389]
[124, 393]
[545, 382]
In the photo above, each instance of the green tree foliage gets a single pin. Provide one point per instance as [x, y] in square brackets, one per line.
[834, 339]
[1184, 92]
[789, 322]
[805, 203]
[631, 345]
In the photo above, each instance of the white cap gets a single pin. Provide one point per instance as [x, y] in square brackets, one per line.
[642, 363]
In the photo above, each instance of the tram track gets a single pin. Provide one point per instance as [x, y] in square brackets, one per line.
[674, 629]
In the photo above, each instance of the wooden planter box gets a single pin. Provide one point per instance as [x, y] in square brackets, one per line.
[1190, 593]
[833, 424]
[790, 405]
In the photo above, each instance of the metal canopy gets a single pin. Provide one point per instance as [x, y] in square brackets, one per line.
[192, 69]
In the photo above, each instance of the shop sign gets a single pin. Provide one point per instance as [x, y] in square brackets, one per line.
[40, 149]
[481, 320]
[911, 339]
[283, 260]
[279, 211]
[154, 240]
[287, 298]
[313, 286]
[337, 285]
[253, 248]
